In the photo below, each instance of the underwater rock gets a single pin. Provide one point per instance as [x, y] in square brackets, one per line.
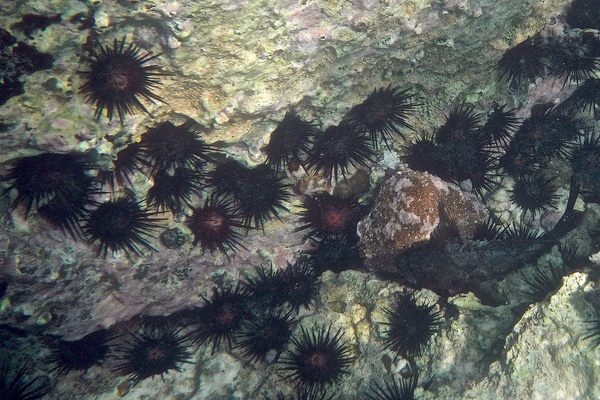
[407, 211]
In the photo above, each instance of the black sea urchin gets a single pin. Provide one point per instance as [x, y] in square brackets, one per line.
[584, 14]
[335, 253]
[575, 58]
[168, 146]
[58, 185]
[173, 189]
[302, 284]
[338, 148]
[524, 62]
[120, 224]
[267, 288]
[78, 355]
[215, 225]
[289, 142]
[585, 162]
[16, 386]
[154, 353]
[382, 113]
[220, 318]
[410, 325]
[128, 161]
[118, 77]
[396, 390]
[318, 359]
[264, 336]
[534, 193]
[258, 193]
[543, 282]
[325, 214]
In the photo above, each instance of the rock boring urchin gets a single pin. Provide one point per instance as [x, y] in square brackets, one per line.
[289, 143]
[118, 77]
[258, 194]
[534, 193]
[523, 63]
[325, 214]
[216, 226]
[168, 146]
[335, 253]
[382, 113]
[410, 325]
[543, 282]
[16, 386]
[221, 318]
[585, 162]
[120, 224]
[153, 353]
[129, 160]
[318, 358]
[500, 126]
[574, 58]
[396, 390]
[58, 185]
[266, 288]
[338, 148]
[78, 355]
[302, 284]
[264, 336]
[173, 189]
[584, 14]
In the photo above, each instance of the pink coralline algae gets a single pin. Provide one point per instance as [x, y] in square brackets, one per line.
[407, 211]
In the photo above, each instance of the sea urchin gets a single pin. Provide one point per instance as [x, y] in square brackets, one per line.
[118, 77]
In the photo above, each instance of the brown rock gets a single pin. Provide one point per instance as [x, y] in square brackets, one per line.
[406, 212]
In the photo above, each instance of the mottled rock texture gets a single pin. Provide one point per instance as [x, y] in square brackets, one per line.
[407, 211]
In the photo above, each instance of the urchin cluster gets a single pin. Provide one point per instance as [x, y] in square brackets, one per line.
[352, 143]
[462, 149]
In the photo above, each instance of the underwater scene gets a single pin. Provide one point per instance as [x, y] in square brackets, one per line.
[299, 199]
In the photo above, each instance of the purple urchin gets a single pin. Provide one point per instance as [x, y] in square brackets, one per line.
[289, 142]
[221, 318]
[410, 325]
[58, 185]
[215, 225]
[318, 358]
[154, 353]
[120, 224]
[325, 214]
[173, 189]
[168, 146]
[78, 355]
[382, 113]
[118, 77]
[16, 386]
[265, 335]
[258, 194]
[338, 148]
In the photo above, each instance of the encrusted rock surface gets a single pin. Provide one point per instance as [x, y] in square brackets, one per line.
[407, 211]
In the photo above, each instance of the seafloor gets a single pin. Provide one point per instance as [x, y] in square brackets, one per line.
[236, 68]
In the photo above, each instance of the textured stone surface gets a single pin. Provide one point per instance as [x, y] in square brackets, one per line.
[407, 211]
